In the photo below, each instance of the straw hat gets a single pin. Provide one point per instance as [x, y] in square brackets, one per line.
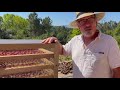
[79, 15]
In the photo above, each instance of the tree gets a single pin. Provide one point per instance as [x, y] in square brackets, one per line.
[14, 24]
[116, 34]
[74, 32]
[34, 24]
[1, 22]
[106, 26]
[46, 25]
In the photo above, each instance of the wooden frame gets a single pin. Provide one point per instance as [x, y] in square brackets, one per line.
[43, 56]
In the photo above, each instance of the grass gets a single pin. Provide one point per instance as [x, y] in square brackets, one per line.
[64, 58]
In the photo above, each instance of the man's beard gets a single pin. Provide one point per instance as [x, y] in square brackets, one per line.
[88, 33]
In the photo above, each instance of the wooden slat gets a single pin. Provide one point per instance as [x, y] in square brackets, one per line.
[23, 69]
[43, 74]
[45, 51]
[24, 46]
[42, 61]
[47, 61]
[49, 76]
[18, 57]
[56, 58]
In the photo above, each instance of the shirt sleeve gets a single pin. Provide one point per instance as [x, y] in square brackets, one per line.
[114, 54]
[67, 49]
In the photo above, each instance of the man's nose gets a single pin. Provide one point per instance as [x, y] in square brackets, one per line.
[87, 24]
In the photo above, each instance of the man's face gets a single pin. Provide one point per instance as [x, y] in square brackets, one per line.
[87, 25]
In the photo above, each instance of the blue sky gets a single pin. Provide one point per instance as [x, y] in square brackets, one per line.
[64, 18]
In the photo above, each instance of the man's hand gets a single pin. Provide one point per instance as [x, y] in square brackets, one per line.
[54, 40]
[50, 40]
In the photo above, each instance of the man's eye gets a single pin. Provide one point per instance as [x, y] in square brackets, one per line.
[83, 20]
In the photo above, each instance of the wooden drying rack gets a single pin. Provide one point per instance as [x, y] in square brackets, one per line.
[50, 64]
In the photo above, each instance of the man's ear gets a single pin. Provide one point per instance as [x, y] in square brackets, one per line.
[97, 22]
[97, 25]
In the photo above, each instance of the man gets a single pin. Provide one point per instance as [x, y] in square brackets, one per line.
[94, 54]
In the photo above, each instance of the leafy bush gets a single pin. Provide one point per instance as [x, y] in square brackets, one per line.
[64, 58]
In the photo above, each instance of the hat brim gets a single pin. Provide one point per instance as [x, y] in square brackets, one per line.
[99, 16]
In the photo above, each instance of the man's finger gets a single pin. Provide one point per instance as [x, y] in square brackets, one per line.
[51, 40]
[47, 40]
[56, 41]
[43, 40]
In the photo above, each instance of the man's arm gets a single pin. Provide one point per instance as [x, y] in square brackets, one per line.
[114, 58]
[116, 72]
